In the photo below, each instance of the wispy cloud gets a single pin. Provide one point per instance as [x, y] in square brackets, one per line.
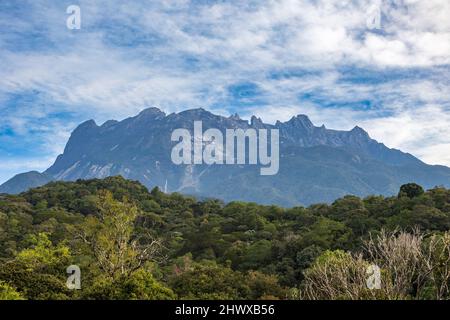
[273, 58]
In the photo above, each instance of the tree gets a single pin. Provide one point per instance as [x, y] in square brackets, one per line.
[400, 254]
[410, 190]
[210, 281]
[436, 257]
[139, 285]
[39, 272]
[43, 254]
[215, 251]
[9, 293]
[264, 286]
[327, 233]
[110, 236]
[424, 217]
[336, 275]
[412, 267]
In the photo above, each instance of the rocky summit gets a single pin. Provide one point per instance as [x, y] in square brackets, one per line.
[316, 164]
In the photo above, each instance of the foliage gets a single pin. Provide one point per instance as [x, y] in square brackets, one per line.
[8, 293]
[139, 285]
[110, 237]
[411, 267]
[411, 190]
[134, 244]
[37, 272]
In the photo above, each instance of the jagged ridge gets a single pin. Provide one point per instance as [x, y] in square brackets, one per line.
[316, 165]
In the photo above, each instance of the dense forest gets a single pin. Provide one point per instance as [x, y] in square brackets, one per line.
[131, 243]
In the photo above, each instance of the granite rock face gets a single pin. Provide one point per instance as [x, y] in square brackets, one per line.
[316, 164]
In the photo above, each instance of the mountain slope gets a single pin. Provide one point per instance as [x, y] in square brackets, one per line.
[316, 164]
[25, 181]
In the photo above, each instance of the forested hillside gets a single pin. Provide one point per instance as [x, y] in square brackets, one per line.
[134, 244]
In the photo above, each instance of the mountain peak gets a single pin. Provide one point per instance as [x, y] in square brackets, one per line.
[88, 124]
[139, 149]
[359, 131]
[302, 121]
[197, 112]
[24, 181]
[234, 117]
[151, 112]
[256, 122]
[109, 123]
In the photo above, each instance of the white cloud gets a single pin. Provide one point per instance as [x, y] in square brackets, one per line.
[180, 54]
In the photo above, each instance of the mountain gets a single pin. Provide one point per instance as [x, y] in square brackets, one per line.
[316, 164]
[24, 181]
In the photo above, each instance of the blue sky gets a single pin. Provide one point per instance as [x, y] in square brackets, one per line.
[274, 59]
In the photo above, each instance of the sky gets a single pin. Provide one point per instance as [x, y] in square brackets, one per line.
[273, 59]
